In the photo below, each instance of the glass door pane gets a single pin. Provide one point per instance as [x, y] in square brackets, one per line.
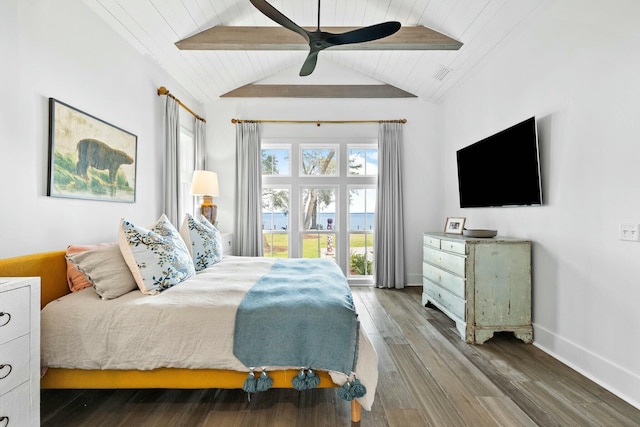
[318, 245]
[362, 205]
[275, 221]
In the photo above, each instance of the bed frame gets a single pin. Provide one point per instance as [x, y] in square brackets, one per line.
[51, 267]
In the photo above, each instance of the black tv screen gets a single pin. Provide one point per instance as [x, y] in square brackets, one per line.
[502, 169]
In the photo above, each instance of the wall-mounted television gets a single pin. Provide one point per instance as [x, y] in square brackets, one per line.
[502, 169]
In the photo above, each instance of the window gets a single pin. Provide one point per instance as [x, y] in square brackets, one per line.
[363, 161]
[318, 161]
[317, 206]
[275, 162]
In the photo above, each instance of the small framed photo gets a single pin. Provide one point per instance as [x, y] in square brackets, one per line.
[454, 225]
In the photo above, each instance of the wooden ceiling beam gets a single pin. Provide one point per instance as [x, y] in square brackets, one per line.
[317, 91]
[279, 38]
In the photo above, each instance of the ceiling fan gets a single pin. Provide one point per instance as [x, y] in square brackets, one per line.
[320, 40]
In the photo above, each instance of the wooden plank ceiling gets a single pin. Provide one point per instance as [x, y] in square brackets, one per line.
[155, 26]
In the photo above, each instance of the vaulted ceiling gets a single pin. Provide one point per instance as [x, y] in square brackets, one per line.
[155, 26]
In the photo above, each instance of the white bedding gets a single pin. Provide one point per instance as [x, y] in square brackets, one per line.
[187, 326]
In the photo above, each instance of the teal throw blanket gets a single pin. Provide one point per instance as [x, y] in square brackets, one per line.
[299, 314]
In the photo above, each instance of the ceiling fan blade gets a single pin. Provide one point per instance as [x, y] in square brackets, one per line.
[365, 34]
[275, 15]
[310, 63]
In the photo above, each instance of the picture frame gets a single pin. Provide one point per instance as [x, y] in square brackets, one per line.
[454, 225]
[88, 157]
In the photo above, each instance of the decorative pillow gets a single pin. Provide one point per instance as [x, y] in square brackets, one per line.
[157, 257]
[220, 247]
[75, 279]
[105, 269]
[203, 241]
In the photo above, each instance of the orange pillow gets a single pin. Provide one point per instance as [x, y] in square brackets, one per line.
[75, 279]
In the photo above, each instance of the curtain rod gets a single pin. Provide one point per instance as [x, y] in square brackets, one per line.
[318, 122]
[164, 91]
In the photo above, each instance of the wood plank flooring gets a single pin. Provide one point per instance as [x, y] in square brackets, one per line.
[427, 377]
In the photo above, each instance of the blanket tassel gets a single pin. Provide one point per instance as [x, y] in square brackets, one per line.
[299, 382]
[305, 381]
[351, 390]
[264, 382]
[312, 379]
[250, 383]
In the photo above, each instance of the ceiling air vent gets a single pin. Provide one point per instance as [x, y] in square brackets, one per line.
[442, 72]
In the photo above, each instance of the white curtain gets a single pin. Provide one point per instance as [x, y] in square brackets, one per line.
[248, 232]
[200, 160]
[389, 263]
[171, 160]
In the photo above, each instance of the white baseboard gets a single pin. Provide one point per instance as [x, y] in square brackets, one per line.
[614, 378]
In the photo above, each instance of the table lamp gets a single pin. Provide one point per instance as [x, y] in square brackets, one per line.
[205, 184]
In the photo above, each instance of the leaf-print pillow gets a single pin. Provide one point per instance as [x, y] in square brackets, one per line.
[203, 241]
[157, 257]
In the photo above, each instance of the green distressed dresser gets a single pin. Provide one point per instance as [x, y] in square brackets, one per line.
[484, 285]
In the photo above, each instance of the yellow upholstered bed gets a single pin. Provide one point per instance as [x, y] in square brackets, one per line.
[51, 267]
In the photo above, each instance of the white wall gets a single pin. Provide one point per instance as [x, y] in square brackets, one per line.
[422, 173]
[574, 66]
[63, 50]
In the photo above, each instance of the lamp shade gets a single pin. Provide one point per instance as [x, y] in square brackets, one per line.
[205, 183]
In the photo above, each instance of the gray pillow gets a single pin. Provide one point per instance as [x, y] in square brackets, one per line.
[106, 270]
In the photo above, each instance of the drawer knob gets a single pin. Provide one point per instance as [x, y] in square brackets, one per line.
[4, 421]
[3, 375]
[4, 319]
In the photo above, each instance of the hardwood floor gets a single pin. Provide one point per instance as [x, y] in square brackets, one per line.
[428, 377]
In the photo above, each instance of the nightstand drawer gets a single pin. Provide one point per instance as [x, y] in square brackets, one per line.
[14, 407]
[447, 300]
[445, 260]
[14, 306]
[14, 364]
[451, 282]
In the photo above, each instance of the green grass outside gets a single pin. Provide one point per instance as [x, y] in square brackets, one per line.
[280, 244]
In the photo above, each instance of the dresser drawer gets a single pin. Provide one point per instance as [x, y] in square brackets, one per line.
[14, 407]
[445, 260]
[14, 363]
[431, 241]
[14, 306]
[448, 301]
[453, 246]
[452, 283]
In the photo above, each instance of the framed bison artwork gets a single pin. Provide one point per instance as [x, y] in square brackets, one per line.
[88, 157]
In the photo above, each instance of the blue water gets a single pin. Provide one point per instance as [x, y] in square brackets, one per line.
[357, 221]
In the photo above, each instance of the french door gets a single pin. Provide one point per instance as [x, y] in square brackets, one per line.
[318, 201]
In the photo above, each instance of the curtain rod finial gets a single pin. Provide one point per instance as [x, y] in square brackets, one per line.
[162, 90]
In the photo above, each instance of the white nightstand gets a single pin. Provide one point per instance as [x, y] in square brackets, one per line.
[227, 243]
[20, 351]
